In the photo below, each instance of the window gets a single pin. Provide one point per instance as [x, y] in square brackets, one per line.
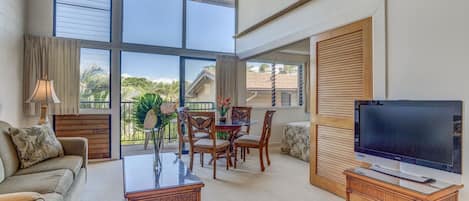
[153, 22]
[286, 99]
[149, 73]
[87, 20]
[200, 82]
[273, 85]
[210, 26]
[94, 78]
[259, 84]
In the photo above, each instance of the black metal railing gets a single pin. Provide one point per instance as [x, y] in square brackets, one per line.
[99, 105]
[130, 134]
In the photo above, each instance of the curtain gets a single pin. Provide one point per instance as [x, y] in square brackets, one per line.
[307, 91]
[54, 59]
[227, 82]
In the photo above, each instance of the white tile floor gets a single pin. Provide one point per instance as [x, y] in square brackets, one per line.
[285, 180]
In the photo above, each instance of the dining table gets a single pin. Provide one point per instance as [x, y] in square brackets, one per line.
[231, 128]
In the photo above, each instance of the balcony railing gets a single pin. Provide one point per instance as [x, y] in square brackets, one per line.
[130, 134]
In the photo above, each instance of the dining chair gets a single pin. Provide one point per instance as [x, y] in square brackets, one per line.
[182, 129]
[257, 142]
[204, 122]
[241, 114]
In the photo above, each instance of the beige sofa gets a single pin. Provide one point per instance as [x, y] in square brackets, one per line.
[57, 179]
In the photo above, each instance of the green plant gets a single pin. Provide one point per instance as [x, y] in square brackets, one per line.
[164, 110]
[143, 105]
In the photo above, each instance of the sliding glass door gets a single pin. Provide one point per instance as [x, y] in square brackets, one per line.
[199, 85]
[160, 74]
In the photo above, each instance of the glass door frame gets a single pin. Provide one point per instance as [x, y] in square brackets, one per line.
[182, 76]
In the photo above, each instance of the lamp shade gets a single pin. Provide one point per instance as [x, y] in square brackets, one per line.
[44, 92]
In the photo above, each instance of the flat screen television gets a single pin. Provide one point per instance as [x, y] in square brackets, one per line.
[425, 133]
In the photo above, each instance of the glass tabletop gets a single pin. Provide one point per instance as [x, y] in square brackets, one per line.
[139, 174]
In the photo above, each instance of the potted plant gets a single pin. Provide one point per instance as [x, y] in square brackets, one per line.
[223, 107]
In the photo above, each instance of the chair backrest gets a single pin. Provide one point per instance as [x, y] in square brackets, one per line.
[267, 127]
[241, 114]
[181, 121]
[201, 122]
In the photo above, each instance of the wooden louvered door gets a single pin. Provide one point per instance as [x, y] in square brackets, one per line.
[343, 75]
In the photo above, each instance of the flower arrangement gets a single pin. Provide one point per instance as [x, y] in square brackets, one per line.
[151, 111]
[223, 107]
[152, 114]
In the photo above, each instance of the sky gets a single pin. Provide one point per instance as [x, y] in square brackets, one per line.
[158, 67]
[158, 23]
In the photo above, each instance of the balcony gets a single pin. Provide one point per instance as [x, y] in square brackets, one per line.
[133, 138]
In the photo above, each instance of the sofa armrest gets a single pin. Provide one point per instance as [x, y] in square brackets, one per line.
[77, 146]
[23, 196]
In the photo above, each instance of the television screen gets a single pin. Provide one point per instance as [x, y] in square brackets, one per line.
[426, 133]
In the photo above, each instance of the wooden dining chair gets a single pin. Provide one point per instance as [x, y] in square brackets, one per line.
[257, 142]
[183, 135]
[204, 122]
[241, 114]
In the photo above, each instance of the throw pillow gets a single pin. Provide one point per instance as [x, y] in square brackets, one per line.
[35, 144]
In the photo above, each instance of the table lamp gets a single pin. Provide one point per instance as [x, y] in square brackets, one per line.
[44, 93]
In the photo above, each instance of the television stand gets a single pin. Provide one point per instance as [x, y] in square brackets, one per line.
[366, 184]
[401, 175]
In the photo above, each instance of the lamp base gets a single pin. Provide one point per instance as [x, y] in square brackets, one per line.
[43, 119]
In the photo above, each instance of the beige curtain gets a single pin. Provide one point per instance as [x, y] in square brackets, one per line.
[307, 91]
[54, 59]
[227, 81]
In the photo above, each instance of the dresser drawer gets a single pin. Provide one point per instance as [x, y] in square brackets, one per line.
[370, 191]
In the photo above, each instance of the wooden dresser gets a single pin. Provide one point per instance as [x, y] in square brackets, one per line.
[95, 127]
[368, 185]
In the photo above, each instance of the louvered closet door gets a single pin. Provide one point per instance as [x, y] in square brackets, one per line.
[343, 74]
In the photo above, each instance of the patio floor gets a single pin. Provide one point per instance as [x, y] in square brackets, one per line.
[138, 149]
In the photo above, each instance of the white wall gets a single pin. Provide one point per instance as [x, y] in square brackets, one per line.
[426, 46]
[40, 15]
[252, 14]
[312, 18]
[281, 117]
[428, 51]
[12, 18]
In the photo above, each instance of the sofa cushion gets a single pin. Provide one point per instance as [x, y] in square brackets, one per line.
[2, 171]
[53, 197]
[57, 181]
[72, 163]
[8, 150]
[35, 144]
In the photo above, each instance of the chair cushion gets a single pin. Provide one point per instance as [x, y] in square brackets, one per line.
[249, 139]
[197, 136]
[72, 163]
[208, 143]
[57, 181]
[35, 144]
[241, 133]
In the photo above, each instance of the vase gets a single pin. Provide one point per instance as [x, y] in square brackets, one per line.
[158, 134]
[222, 119]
